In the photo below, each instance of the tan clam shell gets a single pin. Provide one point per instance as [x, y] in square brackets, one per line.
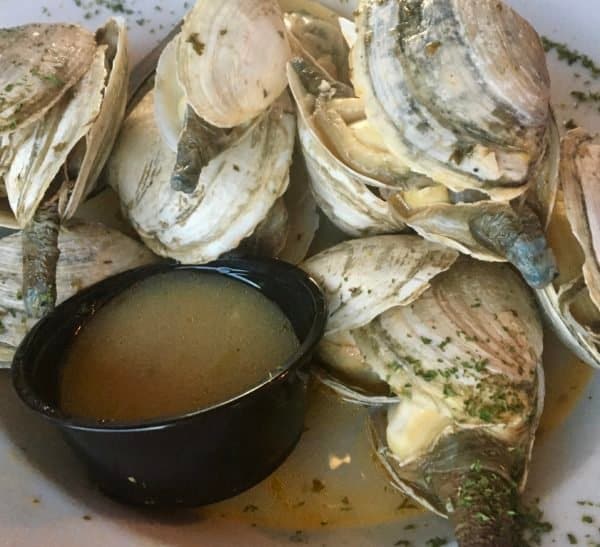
[470, 350]
[231, 58]
[321, 40]
[580, 177]
[364, 277]
[89, 252]
[235, 191]
[462, 354]
[448, 224]
[270, 236]
[303, 216]
[38, 65]
[342, 193]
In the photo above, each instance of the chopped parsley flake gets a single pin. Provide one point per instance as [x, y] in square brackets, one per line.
[571, 56]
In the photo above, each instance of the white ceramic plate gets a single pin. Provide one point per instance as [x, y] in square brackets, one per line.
[45, 499]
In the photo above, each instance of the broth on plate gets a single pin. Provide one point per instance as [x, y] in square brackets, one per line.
[172, 344]
[333, 480]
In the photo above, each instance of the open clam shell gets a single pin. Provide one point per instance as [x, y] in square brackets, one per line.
[321, 41]
[234, 193]
[71, 141]
[572, 302]
[100, 138]
[466, 106]
[42, 148]
[341, 192]
[463, 362]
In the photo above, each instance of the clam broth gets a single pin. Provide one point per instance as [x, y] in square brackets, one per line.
[172, 344]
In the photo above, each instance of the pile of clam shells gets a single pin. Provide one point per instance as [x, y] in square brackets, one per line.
[425, 137]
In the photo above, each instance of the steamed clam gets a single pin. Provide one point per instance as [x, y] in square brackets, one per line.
[214, 145]
[439, 129]
[458, 343]
[234, 193]
[64, 95]
[572, 302]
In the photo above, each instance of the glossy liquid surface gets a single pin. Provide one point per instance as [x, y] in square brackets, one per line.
[172, 344]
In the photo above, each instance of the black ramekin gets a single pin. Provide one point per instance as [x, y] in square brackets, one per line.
[196, 458]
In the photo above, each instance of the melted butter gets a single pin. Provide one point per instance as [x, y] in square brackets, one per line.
[172, 344]
[332, 480]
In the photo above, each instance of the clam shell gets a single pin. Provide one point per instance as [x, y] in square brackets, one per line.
[38, 65]
[103, 132]
[572, 303]
[347, 370]
[89, 252]
[231, 58]
[41, 148]
[235, 190]
[466, 359]
[448, 97]
[271, 235]
[461, 354]
[448, 224]
[580, 177]
[321, 40]
[364, 277]
[475, 332]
